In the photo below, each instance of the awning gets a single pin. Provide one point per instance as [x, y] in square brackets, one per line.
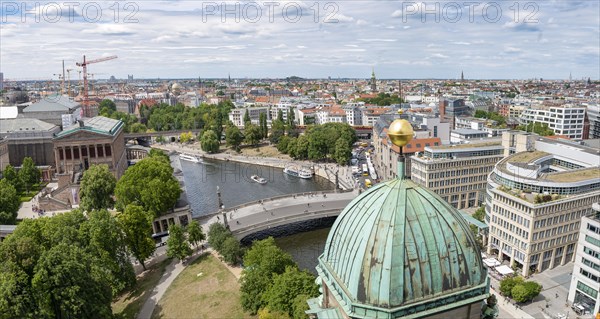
[491, 262]
[504, 270]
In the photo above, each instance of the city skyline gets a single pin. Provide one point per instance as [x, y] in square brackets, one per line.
[344, 39]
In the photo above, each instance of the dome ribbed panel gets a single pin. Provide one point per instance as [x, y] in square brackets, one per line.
[400, 243]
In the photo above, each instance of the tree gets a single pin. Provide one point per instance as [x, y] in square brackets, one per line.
[266, 313]
[519, 293]
[195, 234]
[97, 188]
[343, 151]
[252, 134]
[29, 174]
[247, 120]
[507, 284]
[277, 131]
[217, 234]
[159, 154]
[302, 147]
[107, 108]
[67, 284]
[282, 145]
[186, 137]
[264, 129]
[262, 261]
[160, 139]
[480, 214]
[280, 116]
[9, 203]
[291, 147]
[11, 175]
[209, 142]
[138, 128]
[231, 251]
[538, 128]
[137, 227]
[233, 137]
[299, 306]
[104, 240]
[150, 184]
[293, 282]
[533, 289]
[177, 245]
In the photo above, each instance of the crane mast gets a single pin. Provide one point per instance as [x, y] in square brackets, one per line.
[86, 111]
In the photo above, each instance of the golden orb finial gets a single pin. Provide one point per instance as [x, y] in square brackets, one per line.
[400, 132]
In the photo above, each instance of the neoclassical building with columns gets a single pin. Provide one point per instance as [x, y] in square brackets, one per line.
[97, 140]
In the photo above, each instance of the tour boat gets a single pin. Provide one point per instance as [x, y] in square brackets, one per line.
[258, 179]
[302, 172]
[189, 158]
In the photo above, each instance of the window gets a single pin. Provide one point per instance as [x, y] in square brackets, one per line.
[587, 289]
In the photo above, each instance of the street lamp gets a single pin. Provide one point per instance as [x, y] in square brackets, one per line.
[221, 207]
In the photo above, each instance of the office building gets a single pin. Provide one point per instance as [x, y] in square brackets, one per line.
[457, 173]
[563, 120]
[237, 115]
[535, 200]
[583, 293]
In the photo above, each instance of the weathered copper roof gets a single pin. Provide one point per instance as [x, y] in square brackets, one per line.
[398, 244]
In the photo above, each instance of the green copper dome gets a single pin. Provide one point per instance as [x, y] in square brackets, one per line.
[400, 244]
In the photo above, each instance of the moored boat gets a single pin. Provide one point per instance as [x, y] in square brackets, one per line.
[258, 179]
[189, 158]
[302, 172]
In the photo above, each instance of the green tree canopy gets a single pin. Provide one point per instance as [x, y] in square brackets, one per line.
[107, 107]
[293, 282]
[150, 184]
[382, 99]
[480, 214]
[9, 203]
[277, 131]
[217, 234]
[137, 228]
[97, 188]
[63, 267]
[105, 242]
[177, 245]
[231, 251]
[10, 174]
[195, 234]
[159, 154]
[252, 134]
[343, 151]
[538, 128]
[262, 261]
[508, 283]
[29, 174]
[209, 142]
[233, 137]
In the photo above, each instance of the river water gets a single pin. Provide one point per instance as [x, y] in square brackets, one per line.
[236, 187]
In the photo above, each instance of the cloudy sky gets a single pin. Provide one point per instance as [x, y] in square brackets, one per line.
[313, 39]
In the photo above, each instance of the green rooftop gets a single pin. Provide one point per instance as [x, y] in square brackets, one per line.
[574, 175]
[527, 157]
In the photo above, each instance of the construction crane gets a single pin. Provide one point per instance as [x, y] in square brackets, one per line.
[86, 103]
[69, 81]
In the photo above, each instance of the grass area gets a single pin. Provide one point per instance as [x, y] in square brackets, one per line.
[527, 157]
[259, 151]
[575, 175]
[129, 304]
[205, 289]
[25, 196]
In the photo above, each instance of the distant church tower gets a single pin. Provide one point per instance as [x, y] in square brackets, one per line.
[462, 76]
[373, 82]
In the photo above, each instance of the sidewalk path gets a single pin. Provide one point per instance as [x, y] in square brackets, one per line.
[171, 272]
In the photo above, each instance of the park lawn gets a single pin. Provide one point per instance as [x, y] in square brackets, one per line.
[213, 294]
[129, 304]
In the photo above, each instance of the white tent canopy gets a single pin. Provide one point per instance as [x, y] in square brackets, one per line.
[504, 270]
[491, 262]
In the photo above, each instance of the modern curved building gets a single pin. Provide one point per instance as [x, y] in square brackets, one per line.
[400, 251]
[535, 200]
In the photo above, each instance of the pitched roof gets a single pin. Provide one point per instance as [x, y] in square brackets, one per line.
[98, 124]
[53, 103]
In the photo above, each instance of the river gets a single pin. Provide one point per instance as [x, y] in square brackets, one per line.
[233, 178]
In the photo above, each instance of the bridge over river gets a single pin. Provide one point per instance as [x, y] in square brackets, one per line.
[279, 214]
